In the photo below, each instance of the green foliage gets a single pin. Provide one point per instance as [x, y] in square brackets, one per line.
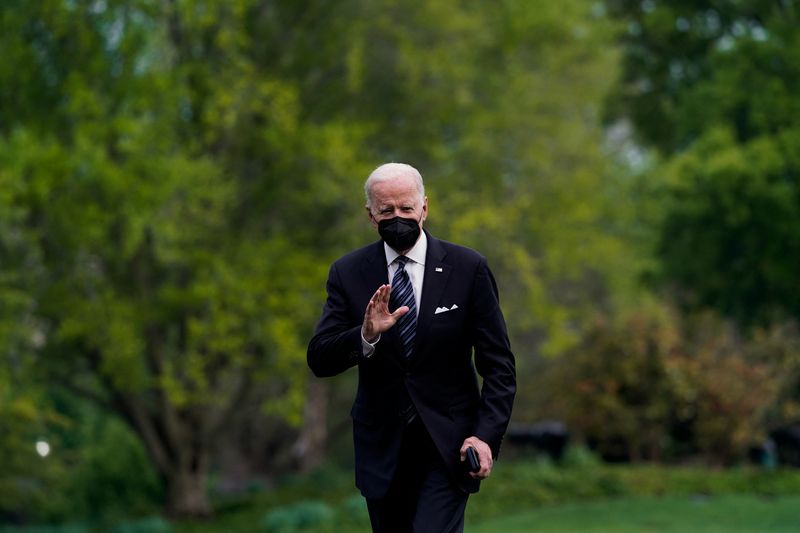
[113, 477]
[732, 209]
[69, 528]
[176, 177]
[154, 524]
[577, 456]
[99, 472]
[308, 515]
[528, 184]
[620, 387]
[154, 231]
[690, 67]
[710, 85]
[26, 477]
[514, 486]
[656, 386]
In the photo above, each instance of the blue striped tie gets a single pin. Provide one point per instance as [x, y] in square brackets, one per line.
[403, 294]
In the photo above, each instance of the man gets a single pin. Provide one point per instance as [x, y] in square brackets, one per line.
[418, 407]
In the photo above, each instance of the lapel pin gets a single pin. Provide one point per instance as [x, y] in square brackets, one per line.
[438, 269]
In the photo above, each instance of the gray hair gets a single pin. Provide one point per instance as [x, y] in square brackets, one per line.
[389, 171]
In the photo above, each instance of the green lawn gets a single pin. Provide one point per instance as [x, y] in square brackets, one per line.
[729, 513]
[684, 514]
[530, 496]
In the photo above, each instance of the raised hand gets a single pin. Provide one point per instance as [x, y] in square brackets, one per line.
[377, 317]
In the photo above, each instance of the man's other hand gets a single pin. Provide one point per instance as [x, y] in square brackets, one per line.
[484, 456]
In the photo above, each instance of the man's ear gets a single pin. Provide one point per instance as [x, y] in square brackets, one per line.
[371, 218]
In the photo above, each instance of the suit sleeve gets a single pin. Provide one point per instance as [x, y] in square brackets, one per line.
[336, 344]
[494, 361]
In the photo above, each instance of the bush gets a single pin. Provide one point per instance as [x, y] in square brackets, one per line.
[354, 507]
[579, 456]
[656, 385]
[153, 524]
[109, 477]
[302, 516]
[68, 528]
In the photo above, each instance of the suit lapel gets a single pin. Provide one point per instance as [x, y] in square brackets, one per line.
[437, 271]
[373, 270]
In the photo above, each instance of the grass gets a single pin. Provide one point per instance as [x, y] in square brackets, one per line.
[729, 513]
[523, 494]
[685, 514]
[527, 495]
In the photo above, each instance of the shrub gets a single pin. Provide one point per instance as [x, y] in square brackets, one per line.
[153, 524]
[67, 528]
[616, 389]
[656, 385]
[301, 516]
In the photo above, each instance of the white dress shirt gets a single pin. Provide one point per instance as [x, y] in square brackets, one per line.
[415, 266]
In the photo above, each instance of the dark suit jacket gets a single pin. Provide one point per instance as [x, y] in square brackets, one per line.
[439, 378]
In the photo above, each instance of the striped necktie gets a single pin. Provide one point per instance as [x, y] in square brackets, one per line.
[403, 294]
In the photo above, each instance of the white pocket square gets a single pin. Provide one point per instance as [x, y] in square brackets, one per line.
[445, 309]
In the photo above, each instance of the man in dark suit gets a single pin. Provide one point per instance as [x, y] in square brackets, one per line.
[418, 407]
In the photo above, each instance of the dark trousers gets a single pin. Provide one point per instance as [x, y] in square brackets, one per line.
[421, 498]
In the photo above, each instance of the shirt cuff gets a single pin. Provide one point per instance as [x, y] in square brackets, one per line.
[368, 348]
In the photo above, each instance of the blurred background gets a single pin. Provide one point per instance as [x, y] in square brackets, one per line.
[176, 177]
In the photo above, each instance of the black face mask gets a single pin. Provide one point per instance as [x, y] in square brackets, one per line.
[399, 233]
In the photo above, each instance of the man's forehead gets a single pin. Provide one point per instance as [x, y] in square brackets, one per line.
[397, 183]
[411, 200]
[399, 199]
[396, 192]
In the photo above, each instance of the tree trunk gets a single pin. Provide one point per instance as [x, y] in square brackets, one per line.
[309, 449]
[187, 493]
[177, 450]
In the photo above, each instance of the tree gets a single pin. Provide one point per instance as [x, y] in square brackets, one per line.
[182, 173]
[499, 105]
[729, 230]
[157, 263]
[710, 86]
